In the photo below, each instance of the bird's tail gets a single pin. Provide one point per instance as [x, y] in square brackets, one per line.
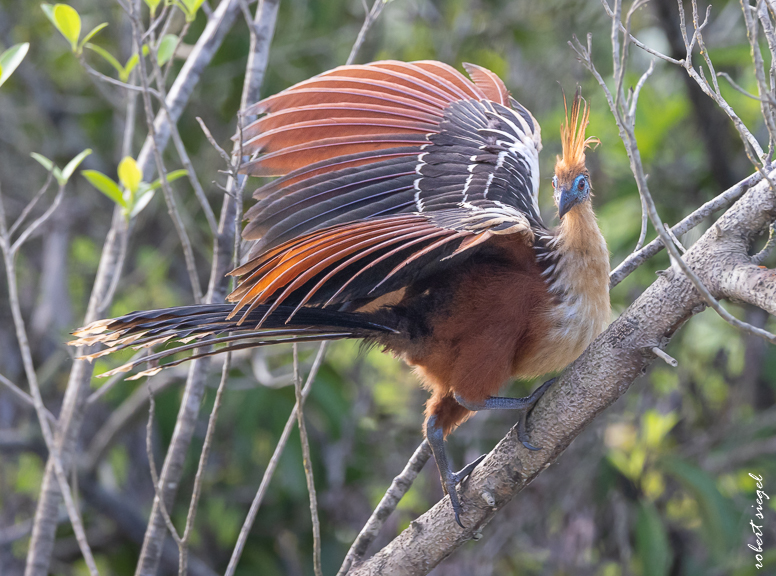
[201, 327]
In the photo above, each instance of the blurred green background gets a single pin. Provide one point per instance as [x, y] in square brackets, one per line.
[657, 485]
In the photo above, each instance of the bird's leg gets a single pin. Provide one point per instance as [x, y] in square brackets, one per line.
[436, 438]
[522, 405]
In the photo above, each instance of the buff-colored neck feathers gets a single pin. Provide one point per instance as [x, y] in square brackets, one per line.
[572, 135]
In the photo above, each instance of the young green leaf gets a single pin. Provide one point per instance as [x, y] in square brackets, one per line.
[105, 185]
[166, 49]
[193, 5]
[74, 163]
[131, 63]
[108, 57]
[11, 58]
[652, 541]
[142, 199]
[171, 177]
[49, 166]
[68, 22]
[129, 174]
[90, 35]
[48, 10]
[153, 5]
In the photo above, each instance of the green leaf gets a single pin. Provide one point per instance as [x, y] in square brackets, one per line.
[105, 185]
[652, 542]
[129, 174]
[49, 166]
[166, 49]
[719, 519]
[188, 7]
[131, 63]
[48, 10]
[108, 57]
[153, 5]
[68, 22]
[11, 58]
[143, 197]
[171, 177]
[193, 5]
[127, 70]
[73, 164]
[91, 34]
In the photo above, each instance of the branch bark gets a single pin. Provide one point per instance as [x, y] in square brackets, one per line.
[591, 384]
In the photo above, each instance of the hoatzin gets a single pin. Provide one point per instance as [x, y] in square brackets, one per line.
[406, 214]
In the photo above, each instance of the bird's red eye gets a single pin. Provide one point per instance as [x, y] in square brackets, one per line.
[581, 185]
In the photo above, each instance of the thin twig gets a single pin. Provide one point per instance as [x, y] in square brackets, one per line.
[398, 488]
[370, 19]
[674, 239]
[72, 413]
[722, 201]
[227, 158]
[181, 148]
[120, 418]
[9, 257]
[211, 427]
[26, 398]
[172, 208]
[665, 357]
[31, 204]
[215, 30]
[35, 224]
[640, 44]
[158, 495]
[272, 466]
[308, 466]
[629, 139]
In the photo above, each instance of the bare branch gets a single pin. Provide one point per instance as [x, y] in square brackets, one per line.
[272, 466]
[172, 208]
[396, 491]
[371, 18]
[9, 257]
[35, 224]
[211, 428]
[306, 462]
[685, 225]
[222, 260]
[26, 398]
[158, 489]
[72, 413]
[31, 204]
[665, 357]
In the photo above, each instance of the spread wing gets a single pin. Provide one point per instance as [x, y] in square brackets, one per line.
[388, 172]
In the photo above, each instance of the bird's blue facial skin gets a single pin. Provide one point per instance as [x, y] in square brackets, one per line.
[572, 195]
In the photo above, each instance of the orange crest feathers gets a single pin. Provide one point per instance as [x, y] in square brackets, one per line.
[572, 135]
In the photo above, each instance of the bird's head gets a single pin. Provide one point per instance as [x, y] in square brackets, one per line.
[571, 182]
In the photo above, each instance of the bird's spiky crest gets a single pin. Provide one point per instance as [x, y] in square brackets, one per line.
[572, 135]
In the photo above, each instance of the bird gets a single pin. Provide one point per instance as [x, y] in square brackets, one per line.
[404, 212]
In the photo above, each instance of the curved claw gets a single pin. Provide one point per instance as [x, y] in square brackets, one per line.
[522, 432]
[459, 478]
[522, 435]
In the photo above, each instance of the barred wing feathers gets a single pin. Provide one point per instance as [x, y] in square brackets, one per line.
[388, 172]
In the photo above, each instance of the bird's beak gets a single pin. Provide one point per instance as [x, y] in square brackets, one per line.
[567, 201]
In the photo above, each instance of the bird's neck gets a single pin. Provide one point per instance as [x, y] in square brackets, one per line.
[581, 283]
